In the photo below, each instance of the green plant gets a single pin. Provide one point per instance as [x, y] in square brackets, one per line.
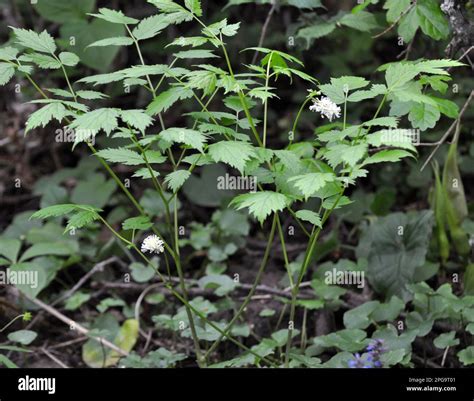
[321, 169]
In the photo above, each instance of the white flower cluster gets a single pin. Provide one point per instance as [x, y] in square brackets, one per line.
[153, 244]
[326, 107]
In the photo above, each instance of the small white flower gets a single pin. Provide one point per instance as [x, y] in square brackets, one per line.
[153, 243]
[326, 107]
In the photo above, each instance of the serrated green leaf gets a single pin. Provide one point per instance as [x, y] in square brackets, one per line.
[81, 219]
[234, 153]
[90, 95]
[175, 13]
[166, 99]
[137, 223]
[437, 66]
[137, 119]
[44, 115]
[192, 138]
[338, 89]
[8, 53]
[43, 42]
[6, 73]
[310, 183]
[309, 216]
[150, 27]
[114, 16]
[117, 41]
[194, 6]
[376, 90]
[391, 155]
[121, 155]
[96, 120]
[195, 53]
[41, 60]
[176, 179]
[261, 204]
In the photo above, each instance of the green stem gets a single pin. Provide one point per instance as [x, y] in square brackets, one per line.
[252, 290]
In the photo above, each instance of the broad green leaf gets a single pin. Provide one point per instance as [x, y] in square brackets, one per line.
[424, 116]
[376, 90]
[94, 121]
[315, 31]
[359, 317]
[90, 95]
[195, 53]
[310, 183]
[114, 16]
[150, 27]
[437, 66]
[63, 11]
[166, 99]
[47, 248]
[192, 138]
[194, 6]
[137, 119]
[340, 153]
[81, 219]
[388, 155]
[6, 73]
[124, 337]
[10, 248]
[41, 60]
[446, 340]
[8, 53]
[399, 138]
[261, 204]
[395, 8]
[43, 42]
[432, 20]
[175, 13]
[78, 34]
[176, 179]
[466, 356]
[76, 300]
[339, 88]
[54, 211]
[234, 153]
[395, 246]
[69, 59]
[121, 155]
[44, 115]
[408, 25]
[137, 223]
[447, 107]
[398, 74]
[309, 216]
[118, 41]
[24, 337]
[362, 21]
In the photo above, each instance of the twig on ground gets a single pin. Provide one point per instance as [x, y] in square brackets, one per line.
[73, 324]
[97, 268]
[54, 359]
